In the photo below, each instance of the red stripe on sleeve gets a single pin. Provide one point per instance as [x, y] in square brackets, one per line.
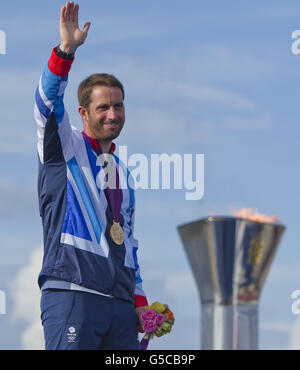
[60, 67]
[140, 300]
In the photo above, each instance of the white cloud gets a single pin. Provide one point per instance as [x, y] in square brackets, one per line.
[242, 123]
[186, 91]
[18, 129]
[286, 273]
[181, 284]
[278, 326]
[176, 285]
[18, 199]
[294, 342]
[17, 142]
[26, 301]
[291, 330]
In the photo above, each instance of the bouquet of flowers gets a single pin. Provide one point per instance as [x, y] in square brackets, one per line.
[157, 320]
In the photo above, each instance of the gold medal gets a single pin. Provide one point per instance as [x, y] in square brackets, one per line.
[117, 233]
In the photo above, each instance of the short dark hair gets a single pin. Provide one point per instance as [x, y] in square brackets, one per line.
[97, 79]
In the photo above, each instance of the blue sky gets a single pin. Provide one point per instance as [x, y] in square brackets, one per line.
[217, 78]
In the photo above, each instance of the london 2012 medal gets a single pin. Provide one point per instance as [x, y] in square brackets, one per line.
[117, 233]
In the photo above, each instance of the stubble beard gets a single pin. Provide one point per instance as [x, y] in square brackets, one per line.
[103, 134]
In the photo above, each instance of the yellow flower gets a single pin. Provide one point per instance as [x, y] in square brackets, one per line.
[158, 307]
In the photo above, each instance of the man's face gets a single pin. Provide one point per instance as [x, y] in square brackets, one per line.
[106, 116]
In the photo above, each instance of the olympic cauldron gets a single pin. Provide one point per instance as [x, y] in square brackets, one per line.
[230, 258]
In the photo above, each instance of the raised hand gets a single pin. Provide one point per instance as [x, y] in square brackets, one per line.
[70, 34]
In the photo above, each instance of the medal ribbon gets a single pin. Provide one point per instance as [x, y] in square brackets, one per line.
[114, 195]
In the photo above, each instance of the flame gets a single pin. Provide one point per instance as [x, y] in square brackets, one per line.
[254, 215]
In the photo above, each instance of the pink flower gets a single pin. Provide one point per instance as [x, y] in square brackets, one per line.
[148, 315]
[149, 326]
[160, 318]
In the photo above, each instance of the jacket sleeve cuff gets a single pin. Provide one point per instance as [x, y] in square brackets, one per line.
[140, 300]
[58, 66]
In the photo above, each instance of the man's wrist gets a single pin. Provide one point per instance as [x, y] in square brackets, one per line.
[67, 50]
[58, 65]
[140, 300]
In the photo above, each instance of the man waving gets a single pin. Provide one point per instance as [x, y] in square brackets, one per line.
[91, 286]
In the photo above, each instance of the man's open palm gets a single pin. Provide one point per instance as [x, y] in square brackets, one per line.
[70, 34]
